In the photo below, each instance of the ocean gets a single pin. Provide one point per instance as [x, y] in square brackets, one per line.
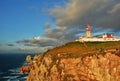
[9, 65]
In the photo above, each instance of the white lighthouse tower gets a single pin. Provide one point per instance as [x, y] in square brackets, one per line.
[88, 32]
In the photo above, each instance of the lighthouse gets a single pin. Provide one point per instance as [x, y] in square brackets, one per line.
[88, 33]
[99, 38]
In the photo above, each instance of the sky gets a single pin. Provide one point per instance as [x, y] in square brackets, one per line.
[34, 26]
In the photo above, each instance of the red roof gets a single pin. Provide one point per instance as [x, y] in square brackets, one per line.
[110, 36]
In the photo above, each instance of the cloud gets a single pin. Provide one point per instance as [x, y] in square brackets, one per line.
[10, 44]
[74, 10]
[47, 25]
[115, 9]
[39, 42]
[54, 33]
[0, 44]
[79, 12]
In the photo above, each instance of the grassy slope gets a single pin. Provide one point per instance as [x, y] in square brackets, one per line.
[75, 49]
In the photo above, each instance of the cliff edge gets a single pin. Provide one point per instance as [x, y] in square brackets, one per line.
[78, 62]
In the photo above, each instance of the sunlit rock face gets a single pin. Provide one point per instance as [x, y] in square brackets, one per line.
[90, 68]
[28, 59]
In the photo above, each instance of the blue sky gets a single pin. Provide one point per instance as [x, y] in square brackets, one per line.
[28, 26]
[21, 19]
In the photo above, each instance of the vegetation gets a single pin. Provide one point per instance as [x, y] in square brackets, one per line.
[76, 49]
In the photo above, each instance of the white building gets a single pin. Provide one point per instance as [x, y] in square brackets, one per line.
[100, 38]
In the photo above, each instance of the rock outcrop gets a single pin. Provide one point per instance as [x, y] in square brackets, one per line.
[63, 67]
[29, 59]
[26, 67]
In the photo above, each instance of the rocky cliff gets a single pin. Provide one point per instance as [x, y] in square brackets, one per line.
[90, 66]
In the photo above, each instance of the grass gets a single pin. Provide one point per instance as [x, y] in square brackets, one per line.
[76, 49]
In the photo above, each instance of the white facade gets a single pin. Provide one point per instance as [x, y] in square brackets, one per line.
[95, 39]
[101, 38]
